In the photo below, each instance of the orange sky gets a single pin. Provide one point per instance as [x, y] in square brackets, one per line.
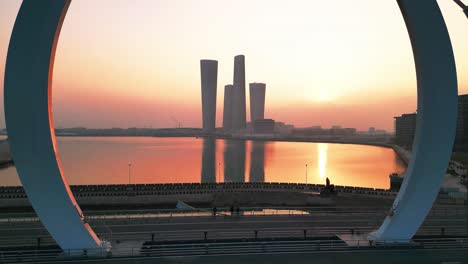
[125, 63]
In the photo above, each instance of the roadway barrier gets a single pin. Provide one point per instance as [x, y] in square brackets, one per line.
[16, 192]
[98, 215]
[15, 196]
[220, 235]
[252, 247]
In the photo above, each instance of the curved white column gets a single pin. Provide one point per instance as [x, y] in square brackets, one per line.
[28, 113]
[436, 121]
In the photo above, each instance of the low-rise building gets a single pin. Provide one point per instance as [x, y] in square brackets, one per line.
[264, 126]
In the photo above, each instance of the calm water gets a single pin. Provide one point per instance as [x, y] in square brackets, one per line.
[181, 160]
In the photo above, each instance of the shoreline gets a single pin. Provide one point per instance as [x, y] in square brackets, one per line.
[218, 194]
[401, 153]
[252, 138]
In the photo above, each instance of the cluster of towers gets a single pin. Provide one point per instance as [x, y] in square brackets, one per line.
[234, 113]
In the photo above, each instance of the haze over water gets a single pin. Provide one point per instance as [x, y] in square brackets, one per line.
[104, 160]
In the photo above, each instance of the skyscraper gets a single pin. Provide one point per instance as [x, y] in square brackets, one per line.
[238, 102]
[209, 79]
[461, 141]
[405, 129]
[257, 101]
[227, 108]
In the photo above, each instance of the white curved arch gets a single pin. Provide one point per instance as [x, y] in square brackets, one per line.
[436, 121]
[28, 114]
[32, 138]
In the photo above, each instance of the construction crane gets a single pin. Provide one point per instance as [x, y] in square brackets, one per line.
[463, 6]
[178, 124]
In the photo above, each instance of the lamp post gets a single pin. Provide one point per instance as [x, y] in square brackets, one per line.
[219, 171]
[306, 174]
[129, 172]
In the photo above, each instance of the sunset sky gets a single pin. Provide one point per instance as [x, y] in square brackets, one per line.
[123, 63]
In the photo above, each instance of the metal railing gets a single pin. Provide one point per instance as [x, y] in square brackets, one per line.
[245, 211]
[233, 248]
[217, 235]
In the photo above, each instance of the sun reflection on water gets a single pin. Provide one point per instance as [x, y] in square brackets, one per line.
[322, 149]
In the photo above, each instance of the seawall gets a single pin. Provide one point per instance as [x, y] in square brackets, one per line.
[149, 194]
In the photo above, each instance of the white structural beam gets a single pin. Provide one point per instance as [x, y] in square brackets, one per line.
[436, 121]
[28, 113]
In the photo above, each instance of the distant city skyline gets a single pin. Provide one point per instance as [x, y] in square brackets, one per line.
[124, 65]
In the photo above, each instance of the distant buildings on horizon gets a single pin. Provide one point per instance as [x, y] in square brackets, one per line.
[234, 107]
[319, 131]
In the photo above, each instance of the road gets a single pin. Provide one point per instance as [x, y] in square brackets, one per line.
[136, 231]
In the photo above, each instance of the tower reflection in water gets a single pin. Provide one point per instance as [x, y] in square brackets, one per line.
[208, 168]
[234, 161]
[257, 161]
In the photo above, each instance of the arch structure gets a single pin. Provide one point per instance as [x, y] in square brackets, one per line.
[28, 112]
[436, 120]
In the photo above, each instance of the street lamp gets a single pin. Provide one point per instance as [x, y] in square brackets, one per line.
[306, 175]
[129, 172]
[219, 171]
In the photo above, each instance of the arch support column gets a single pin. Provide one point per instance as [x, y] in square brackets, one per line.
[28, 114]
[436, 120]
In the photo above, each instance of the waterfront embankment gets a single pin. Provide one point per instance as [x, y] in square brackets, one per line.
[402, 153]
[453, 181]
[5, 156]
[213, 194]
